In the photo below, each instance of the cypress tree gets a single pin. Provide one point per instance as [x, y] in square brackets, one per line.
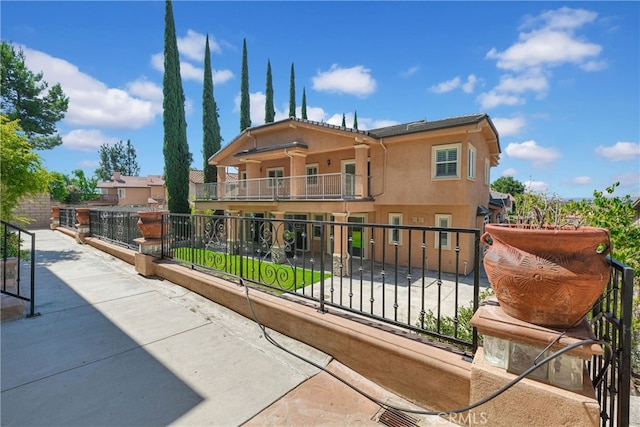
[292, 93]
[245, 114]
[177, 158]
[355, 120]
[303, 111]
[269, 109]
[210, 126]
[344, 121]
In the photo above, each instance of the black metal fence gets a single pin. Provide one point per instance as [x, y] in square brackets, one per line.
[418, 279]
[68, 218]
[611, 321]
[117, 227]
[13, 241]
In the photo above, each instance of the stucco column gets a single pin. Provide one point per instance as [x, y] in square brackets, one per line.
[297, 166]
[362, 179]
[253, 172]
[278, 255]
[83, 216]
[340, 245]
[221, 172]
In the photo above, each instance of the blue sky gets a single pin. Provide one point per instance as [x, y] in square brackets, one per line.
[561, 81]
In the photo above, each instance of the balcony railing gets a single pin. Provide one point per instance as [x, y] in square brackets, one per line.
[333, 186]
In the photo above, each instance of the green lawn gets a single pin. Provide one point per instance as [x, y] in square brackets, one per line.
[279, 275]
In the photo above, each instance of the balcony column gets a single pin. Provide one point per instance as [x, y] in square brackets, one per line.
[362, 160]
[278, 245]
[297, 165]
[340, 245]
[253, 173]
[222, 177]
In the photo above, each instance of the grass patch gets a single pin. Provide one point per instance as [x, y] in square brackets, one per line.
[279, 275]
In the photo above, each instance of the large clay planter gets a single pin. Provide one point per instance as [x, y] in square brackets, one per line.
[150, 224]
[547, 277]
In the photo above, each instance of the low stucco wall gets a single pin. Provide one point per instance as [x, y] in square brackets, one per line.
[429, 376]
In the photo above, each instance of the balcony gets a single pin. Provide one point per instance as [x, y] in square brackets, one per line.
[332, 186]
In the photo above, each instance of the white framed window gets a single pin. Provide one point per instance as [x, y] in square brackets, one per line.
[446, 161]
[317, 228]
[312, 174]
[487, 171]
[122, 194]
[444, 240]
[395, 234]
[276, 176]
[471, 167]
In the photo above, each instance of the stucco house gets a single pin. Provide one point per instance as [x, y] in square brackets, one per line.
[149, 191]
[427, 173]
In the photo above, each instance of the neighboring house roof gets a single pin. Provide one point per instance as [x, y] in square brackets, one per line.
[196, 176]
[499, 199]
[133, 182]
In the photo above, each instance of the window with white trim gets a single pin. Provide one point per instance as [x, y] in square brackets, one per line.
[395, 234]
[471, 169]
[122, 194]
[487, 171]
[312, 174]
[446, 161]
[243, 179]
[443, 221]
[317, 228]
[276, 177]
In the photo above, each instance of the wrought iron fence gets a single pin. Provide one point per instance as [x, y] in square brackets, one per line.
[414, 278]
[13, 241]
[115, 226]
[611, 322]
[68, 218]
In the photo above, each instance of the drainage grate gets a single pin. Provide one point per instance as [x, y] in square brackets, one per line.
[394, 418]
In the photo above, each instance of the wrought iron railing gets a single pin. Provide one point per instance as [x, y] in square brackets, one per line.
[395, 275]
[611, 322]
[115, 226]
[68, 218]
[322, 187]
[13, 241]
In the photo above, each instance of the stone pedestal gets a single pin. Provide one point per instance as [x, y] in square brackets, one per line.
[84, 224]
[55, 218]
[10, 307]
[148, 251]
[557, 393]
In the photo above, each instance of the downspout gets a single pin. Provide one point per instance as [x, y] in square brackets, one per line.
[384, 170]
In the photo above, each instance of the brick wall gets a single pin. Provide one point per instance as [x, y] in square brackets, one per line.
[37, 209]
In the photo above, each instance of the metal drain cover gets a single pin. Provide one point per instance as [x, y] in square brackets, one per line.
[394, 418]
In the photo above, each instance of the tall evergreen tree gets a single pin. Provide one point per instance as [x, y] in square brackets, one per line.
[344, 121]
[177, 158]
[355, 120]
[292, 93]
[269, 109]
[245, 113]
[303, 110]
[210, 126]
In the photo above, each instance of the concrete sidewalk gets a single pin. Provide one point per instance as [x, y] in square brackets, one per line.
[113, 348]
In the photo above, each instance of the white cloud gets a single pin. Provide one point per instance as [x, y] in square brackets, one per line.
[189, 71]
[353, 81]
[468, 87]
[620, 151]
[493, 99]
[532, 80]
[509, 172]
[221, 76]
[446, 86]
[91, 102]
[561, 19]
[581, 180]
[509, 127]
[410, 72]
[629, 182]
[145, 89]
[192, 45]
[540, 157]
[536, 186]
[89, 164]
[594, 65]
[86, 140]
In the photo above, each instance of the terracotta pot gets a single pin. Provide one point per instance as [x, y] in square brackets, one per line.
[55, 212]
[150, 224]
[83, 216]
[547, 277]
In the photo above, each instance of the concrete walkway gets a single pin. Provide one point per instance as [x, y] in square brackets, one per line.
[112, 348]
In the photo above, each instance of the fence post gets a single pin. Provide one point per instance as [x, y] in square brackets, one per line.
[150, 246]
[83, 216]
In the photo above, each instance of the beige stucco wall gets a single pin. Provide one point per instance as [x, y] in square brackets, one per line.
[134, 196]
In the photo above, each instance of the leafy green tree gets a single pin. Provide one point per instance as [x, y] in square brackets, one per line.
[355, 120]
[292, 92]
[508, 185]
[86, 186]
[344, 121]
[177, 158]
[211, 138]
[119, 157]
[28, 98]
[269, 109]
[245, 108]
[303, 109]
[21, 171]
[58, 186]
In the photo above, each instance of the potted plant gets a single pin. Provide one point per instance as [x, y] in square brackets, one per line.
[544, 266]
